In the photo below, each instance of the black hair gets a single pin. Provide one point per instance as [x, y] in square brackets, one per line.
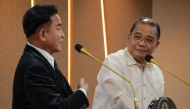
[36, 16]
[147, 21]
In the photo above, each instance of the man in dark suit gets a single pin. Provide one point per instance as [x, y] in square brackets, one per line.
[38, 82]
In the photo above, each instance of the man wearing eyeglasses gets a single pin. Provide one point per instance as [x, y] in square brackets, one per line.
[113, 92]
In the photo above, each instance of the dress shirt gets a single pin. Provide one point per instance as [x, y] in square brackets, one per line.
[45, 54]
[51, 60]
[113, 92]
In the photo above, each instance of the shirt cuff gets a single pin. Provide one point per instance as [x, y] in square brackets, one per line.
[84, 91]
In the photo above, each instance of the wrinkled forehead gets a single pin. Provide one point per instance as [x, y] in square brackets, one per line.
[145, 29]
[145, 26]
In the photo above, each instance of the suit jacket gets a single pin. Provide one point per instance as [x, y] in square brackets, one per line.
[37, 85]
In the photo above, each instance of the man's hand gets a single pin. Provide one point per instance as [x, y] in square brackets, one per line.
[83, 85]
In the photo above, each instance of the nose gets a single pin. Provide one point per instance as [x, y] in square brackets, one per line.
[62, 34]
[142, 42]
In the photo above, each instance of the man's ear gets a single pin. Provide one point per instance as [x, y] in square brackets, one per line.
[129, 35]
[157, 44]
[42, 35]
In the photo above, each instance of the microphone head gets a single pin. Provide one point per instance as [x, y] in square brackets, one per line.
[78, 47]
[148, 58]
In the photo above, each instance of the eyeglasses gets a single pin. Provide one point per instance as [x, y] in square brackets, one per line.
[149, 40]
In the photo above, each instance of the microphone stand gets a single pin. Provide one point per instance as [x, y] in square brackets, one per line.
[153, 61]
[88, 54]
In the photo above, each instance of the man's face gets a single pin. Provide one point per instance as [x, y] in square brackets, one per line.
[142, 41]
[54, 35]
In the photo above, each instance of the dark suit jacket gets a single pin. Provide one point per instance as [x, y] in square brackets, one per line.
[37, 85]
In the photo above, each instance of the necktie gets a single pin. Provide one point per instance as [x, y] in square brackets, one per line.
[62, 79]
[58, 71]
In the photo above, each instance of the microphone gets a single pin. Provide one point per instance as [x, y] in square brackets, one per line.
[80, 49]
[149, 58]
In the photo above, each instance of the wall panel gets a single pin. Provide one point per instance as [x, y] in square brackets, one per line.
[173, 52]
[87, 30]
[12, 42]
[120, 15]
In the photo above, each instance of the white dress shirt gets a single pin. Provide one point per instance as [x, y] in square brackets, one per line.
[113, 92]
[45, 54]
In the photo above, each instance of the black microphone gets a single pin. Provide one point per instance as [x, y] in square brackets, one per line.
[80, 49]
[149, 58]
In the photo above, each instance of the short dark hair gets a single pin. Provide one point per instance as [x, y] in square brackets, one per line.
[147, 21]
[36, 16]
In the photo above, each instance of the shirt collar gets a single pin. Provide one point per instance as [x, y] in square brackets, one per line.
[45, 54]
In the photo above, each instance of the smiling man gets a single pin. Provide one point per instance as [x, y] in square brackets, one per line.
[38, 82]
[112, 92]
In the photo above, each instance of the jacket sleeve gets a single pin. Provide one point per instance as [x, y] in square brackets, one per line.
[42, 92]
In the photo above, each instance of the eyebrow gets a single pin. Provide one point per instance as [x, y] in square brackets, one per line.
[141, 34]
[59, 24]
[150, 36]
[137, 33]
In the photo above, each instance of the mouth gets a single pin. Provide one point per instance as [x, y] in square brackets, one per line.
[60, 41]
[141, 51]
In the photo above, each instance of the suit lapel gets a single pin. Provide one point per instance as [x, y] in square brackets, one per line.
[56, 74]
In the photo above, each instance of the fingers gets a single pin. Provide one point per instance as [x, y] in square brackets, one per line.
[82, 80]
[83, 84]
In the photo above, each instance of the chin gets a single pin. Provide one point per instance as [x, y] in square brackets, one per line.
[140, 54]
[140, 57]
[58, 50]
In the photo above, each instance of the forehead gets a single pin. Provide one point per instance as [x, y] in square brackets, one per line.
[55, 19]
[145, 29]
